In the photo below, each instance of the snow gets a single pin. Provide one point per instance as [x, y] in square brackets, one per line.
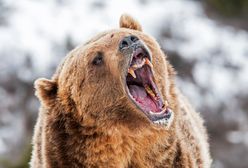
[36, 26]
[3, 147]
[238, 137]
[37, 31]
[196, 37]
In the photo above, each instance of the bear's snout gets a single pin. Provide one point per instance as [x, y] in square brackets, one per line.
[128, 41]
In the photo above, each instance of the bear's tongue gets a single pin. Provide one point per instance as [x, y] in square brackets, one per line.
[142, 98]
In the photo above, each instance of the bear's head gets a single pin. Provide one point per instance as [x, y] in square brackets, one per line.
[119, 77]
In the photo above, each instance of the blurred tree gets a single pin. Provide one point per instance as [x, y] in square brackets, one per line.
[231, 12]
[23, 162]
[230, 8]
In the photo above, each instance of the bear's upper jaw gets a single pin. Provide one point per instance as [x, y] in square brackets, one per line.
[142, 89]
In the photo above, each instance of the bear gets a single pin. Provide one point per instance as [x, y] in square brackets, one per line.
[113, 102]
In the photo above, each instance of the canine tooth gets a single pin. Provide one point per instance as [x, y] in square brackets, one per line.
[149, 91]
[131, 71]
[135, 66]
[147, 61]
[166, 103]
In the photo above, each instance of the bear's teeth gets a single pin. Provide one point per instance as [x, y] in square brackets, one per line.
[161, 122]
[131, 71]
[148, 62]
[149, 91]
[156, 113]
[137, 66]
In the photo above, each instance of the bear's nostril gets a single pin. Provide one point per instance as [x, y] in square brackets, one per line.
[133, 38]
[128, 41]
[124, 43]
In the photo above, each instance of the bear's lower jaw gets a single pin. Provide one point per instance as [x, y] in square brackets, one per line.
[142, 89]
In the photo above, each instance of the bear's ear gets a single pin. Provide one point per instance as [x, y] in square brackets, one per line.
[46, 91]
[126, 21]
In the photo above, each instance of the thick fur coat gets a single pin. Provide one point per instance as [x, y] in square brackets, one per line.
[86, 118]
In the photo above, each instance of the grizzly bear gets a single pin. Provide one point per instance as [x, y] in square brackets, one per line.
[113, 103]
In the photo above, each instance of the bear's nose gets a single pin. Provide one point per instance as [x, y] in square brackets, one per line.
[127, 41]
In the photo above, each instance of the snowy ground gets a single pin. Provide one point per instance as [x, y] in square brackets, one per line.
[211, 60]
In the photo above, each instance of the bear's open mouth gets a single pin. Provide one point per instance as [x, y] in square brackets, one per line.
[142, 88]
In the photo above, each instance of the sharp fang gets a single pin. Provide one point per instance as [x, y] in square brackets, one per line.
[131, 71]
[147, 61]
[135, 66]
[166, 103]
[149, 91]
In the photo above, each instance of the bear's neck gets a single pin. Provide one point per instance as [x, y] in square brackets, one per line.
[71, 144]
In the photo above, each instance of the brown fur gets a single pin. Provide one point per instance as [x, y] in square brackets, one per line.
[87, 120]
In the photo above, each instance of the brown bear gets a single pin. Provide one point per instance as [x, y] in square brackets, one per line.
[113, 103]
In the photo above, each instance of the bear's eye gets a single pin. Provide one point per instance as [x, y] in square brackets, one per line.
[98, 60]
